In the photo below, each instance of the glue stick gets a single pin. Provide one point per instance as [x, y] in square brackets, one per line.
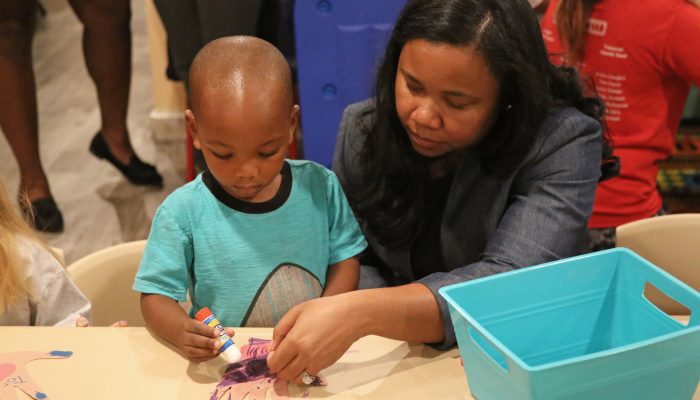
[228, 349]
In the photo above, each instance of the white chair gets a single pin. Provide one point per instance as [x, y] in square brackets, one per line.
[58, 252]
[671, 242]
[106, 277]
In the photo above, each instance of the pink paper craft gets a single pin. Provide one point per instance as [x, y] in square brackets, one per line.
[13, 373]
[250, 378]
[253, 390]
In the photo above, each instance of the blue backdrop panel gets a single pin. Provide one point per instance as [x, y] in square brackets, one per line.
[339, 44]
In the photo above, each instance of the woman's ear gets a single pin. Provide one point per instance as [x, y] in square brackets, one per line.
[191, 123]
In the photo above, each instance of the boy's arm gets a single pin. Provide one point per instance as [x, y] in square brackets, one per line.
[196, 341]
[342, 277]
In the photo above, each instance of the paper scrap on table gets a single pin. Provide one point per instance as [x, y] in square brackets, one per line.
[13, 372]
[250, 378]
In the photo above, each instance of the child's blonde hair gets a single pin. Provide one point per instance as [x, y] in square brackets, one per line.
[13, 284]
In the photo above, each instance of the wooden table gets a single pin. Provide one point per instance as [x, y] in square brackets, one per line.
[129, 363]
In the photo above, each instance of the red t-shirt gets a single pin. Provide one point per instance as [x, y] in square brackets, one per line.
[641, 56]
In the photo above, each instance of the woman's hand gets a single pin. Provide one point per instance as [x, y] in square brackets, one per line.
[314, 335]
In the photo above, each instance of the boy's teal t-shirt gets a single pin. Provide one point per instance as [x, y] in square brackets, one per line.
[224, 250]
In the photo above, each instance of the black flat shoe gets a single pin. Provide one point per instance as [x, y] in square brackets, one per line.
[44, 216]
[137, 171]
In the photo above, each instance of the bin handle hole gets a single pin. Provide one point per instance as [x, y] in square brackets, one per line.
[488, 349]
[664, 302]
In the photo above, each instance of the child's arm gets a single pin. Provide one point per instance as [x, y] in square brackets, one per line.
[196, 341]
[56, 300]
[342, 277]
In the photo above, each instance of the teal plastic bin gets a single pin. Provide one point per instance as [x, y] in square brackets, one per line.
[578, 328]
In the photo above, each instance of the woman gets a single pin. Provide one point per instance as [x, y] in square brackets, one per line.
[476, 157]
[643, 77]
[107, 51]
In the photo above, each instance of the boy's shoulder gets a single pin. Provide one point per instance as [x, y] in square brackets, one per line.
[309, 169]
[186, 195]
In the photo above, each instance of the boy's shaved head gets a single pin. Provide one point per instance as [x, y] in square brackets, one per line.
[241, 69]
[242, 114]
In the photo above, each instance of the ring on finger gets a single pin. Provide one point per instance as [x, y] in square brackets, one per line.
[307, 378]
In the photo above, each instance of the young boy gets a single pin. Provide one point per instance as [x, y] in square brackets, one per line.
[257, 234]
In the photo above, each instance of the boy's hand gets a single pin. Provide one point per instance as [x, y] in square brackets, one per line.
[199, 342]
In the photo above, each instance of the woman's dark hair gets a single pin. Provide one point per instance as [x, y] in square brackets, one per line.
[507, 34]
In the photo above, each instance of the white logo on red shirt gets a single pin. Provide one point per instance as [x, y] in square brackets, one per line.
[613, 51]
[597, 27]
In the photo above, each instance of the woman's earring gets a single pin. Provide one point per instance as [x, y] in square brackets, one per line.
[509, 107]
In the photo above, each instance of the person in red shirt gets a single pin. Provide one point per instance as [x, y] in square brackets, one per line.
[641, 59]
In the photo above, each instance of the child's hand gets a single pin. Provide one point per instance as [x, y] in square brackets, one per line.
[199, 342]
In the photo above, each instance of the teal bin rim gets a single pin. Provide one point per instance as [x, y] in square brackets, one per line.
[693, 323]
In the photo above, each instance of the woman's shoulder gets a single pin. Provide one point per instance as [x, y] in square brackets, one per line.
[360, 110]
[350, 139]
[569, 138]
[571, 115]
[566, 123]
[358, 114]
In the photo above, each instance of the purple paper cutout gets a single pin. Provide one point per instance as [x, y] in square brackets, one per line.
[251, 376]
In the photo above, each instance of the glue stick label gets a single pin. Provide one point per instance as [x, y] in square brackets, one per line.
[206, 317]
